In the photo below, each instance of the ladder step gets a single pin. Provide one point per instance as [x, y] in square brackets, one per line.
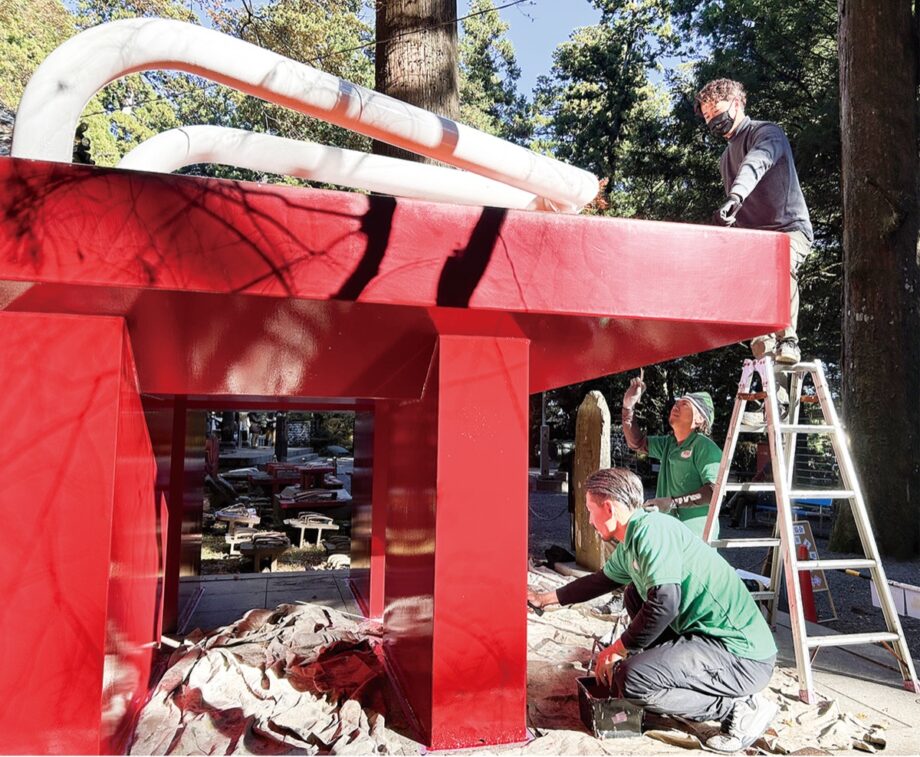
[797, 368]
[834, 564]
[793, 493]
[743, 543]
[821, 494]
[807, 428]
[747, 487]
[850, 639]
[791, 499]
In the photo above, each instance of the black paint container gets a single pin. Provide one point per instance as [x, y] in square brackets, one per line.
[605, 716]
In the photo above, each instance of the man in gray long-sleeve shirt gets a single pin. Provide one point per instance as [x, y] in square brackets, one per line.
[763, 192]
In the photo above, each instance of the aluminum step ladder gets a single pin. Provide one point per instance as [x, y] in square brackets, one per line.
[782, 439]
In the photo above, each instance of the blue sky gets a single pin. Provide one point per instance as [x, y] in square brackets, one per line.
[537, 26]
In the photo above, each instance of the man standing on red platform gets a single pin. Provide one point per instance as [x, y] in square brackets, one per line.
[763, 192]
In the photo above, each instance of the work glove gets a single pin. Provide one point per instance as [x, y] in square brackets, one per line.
[725, 216]
[634, 393]
[659, 504]
[534, 602]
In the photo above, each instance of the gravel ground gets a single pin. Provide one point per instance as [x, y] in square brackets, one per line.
[549, 525]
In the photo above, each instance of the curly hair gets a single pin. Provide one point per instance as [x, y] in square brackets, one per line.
[720, 89]
[616, 483]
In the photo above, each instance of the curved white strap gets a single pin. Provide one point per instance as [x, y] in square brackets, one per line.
[176, 148]
[59, 90]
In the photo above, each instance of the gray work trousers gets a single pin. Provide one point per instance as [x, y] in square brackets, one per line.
[693, 676]
[799, 247]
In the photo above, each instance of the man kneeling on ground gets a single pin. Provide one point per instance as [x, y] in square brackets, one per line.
[696, 645]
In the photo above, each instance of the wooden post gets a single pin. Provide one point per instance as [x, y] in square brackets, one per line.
[592, 452]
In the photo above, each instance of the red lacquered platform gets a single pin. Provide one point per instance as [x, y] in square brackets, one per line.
[129, 301]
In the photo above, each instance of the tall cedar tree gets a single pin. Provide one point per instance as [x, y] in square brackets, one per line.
[416, 58]
[881, 366]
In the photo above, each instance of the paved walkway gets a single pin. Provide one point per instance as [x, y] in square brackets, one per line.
[863, 679]
[219, 600]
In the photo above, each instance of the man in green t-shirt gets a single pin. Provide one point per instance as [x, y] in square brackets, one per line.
[689, 458]
[696, 646]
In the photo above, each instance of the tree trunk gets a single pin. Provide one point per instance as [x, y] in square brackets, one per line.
[881, 322]
[416, 58]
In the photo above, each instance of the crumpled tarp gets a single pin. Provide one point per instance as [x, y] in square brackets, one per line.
[298, 679]
[304, 679]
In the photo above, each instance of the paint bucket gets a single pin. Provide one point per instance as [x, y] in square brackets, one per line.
[607, 717]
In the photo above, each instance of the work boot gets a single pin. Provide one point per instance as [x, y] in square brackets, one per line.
[787, 352]
[746, 723]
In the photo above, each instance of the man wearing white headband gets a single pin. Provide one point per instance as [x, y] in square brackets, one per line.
[689, 458]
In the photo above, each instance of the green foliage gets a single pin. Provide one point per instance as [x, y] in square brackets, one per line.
[333, 429]
[599, 76]
[328, 34]
[619, 102]
[489, 99]
[29, 30]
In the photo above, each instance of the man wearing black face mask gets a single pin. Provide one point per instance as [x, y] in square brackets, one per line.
[763, 192]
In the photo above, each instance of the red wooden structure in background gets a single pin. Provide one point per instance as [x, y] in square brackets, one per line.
[128, 300]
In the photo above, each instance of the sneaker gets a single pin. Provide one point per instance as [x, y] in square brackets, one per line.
[787, 352]
[746, 723]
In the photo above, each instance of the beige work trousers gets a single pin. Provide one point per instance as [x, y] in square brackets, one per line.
[799, 247]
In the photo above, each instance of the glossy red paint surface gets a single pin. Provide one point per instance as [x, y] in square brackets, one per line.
[237, 288]
[368, 518]
[160, 420]
[135, 567]
[480, 631]
[434, 322]
[455, 632]
[79, 541]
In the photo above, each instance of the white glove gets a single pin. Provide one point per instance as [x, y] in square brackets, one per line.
[634, 393]
[661, 504]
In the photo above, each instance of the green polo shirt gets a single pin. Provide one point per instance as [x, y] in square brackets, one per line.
[713, 601]
[685, 467]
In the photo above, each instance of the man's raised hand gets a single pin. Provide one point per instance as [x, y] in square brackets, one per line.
[634, 393]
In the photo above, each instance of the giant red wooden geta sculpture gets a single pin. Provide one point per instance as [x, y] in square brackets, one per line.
[127, 300]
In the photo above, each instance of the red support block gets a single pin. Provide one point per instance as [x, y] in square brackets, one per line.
[177, 435]
[80, 591]
[368, 516]
[455, 617]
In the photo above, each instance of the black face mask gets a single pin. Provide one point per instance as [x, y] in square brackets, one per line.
[721, 124]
